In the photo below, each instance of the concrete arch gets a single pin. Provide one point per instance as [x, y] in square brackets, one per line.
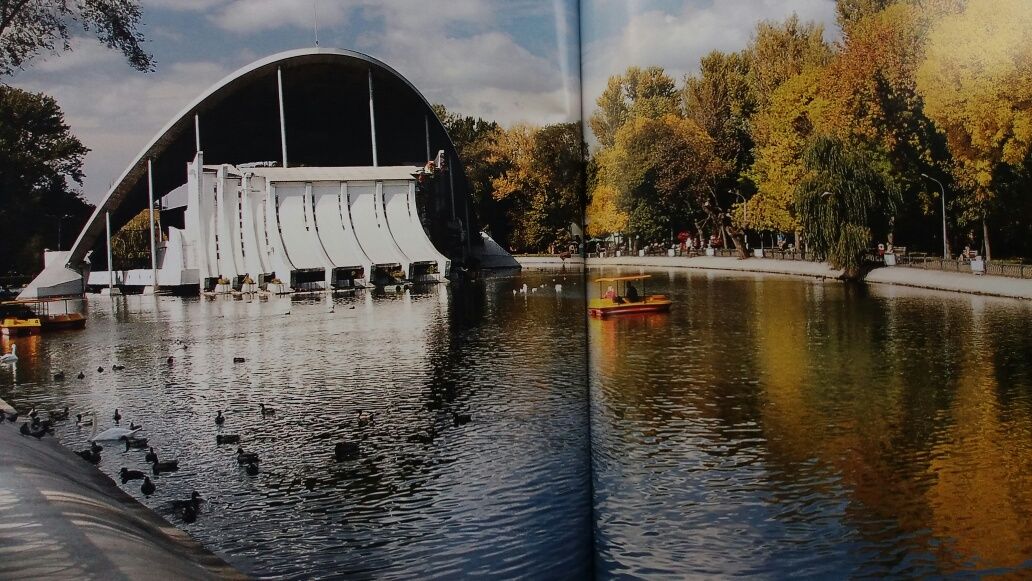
[238, 122]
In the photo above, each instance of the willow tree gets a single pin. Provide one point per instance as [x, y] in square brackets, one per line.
[845, 200]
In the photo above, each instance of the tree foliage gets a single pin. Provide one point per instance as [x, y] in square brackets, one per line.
[780, 51]
[540, 183]
[977, 86]
[40, 169]
[31, 27]
[845, 199]
[648, 92]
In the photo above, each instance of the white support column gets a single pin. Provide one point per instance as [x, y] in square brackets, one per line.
[197, 130]
[426, 122]
[150, 199]
[110, 262]
[282, 116]
[372, 118]
[451, 187]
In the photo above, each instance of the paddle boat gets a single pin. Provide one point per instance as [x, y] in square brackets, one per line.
[622, 297]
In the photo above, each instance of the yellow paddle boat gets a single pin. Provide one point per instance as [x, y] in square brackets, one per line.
[622, 297]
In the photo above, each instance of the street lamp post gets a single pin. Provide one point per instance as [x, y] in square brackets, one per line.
[945, 247]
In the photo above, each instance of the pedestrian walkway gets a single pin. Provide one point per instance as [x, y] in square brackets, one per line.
[64, 519]
[896, 275]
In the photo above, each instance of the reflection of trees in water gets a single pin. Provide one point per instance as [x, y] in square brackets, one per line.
[917, 411]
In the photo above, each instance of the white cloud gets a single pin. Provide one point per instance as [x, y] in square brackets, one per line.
[115, 111]
[182, 5]
[676, 41]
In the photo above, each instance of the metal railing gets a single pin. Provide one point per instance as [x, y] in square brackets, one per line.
[961, 265]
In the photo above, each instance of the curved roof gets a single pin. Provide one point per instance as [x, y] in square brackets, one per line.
[326, 103]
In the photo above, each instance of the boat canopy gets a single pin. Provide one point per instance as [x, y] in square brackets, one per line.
[623, 278]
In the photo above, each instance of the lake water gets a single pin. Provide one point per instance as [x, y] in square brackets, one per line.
[778, 427]
[767, 427]
[507, 493]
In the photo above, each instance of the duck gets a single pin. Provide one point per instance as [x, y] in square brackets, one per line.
[227, 438]
[117, 417]
[220, 419]
[167, 466]
[148, 487]
[247, 457]
[83, 420]
[252, 469]
[151, 456]
[131, 442]
[59, 376]
[12, 357]
[45, 425]
[128, 475]
[117, 367]
[266, 411]
[90, 455]
[189, 513]
[461, 419]
[58, 414]
[364, 418]
[194, 501]
[346, 451]
[37, 433]
[81, 375]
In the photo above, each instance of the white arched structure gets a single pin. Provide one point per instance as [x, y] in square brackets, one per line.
[348, 136]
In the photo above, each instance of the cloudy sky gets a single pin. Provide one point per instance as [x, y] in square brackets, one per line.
[507, 60]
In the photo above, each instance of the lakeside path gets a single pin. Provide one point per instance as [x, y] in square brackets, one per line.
[999, 286]
[64, 519]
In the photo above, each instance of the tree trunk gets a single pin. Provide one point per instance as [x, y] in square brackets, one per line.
[985, 238]
[739, 241]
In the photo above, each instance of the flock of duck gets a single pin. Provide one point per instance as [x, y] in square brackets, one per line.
[36, 426]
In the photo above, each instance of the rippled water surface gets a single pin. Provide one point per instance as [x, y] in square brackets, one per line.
[780, 428]
[766, 427]
[506, 494]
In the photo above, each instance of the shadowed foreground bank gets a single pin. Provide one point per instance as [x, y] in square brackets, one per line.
[63, 518]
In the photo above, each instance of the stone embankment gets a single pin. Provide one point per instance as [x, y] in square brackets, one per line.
[895, 275]
[64, 519]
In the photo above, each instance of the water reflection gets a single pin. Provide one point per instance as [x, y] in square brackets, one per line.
[788, 427]
[505, 494]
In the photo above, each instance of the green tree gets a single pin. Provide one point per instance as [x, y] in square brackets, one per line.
[40, 169]
[29, 27]
[541, 182]
[720, 101]
[849, 12]
[474, 139]
[780, 51]
[846, 199]
[648, 92]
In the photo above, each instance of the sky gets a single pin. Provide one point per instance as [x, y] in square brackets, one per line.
[504, 60]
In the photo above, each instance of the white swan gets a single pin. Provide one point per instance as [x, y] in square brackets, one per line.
[11, 357]
[111, 433]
